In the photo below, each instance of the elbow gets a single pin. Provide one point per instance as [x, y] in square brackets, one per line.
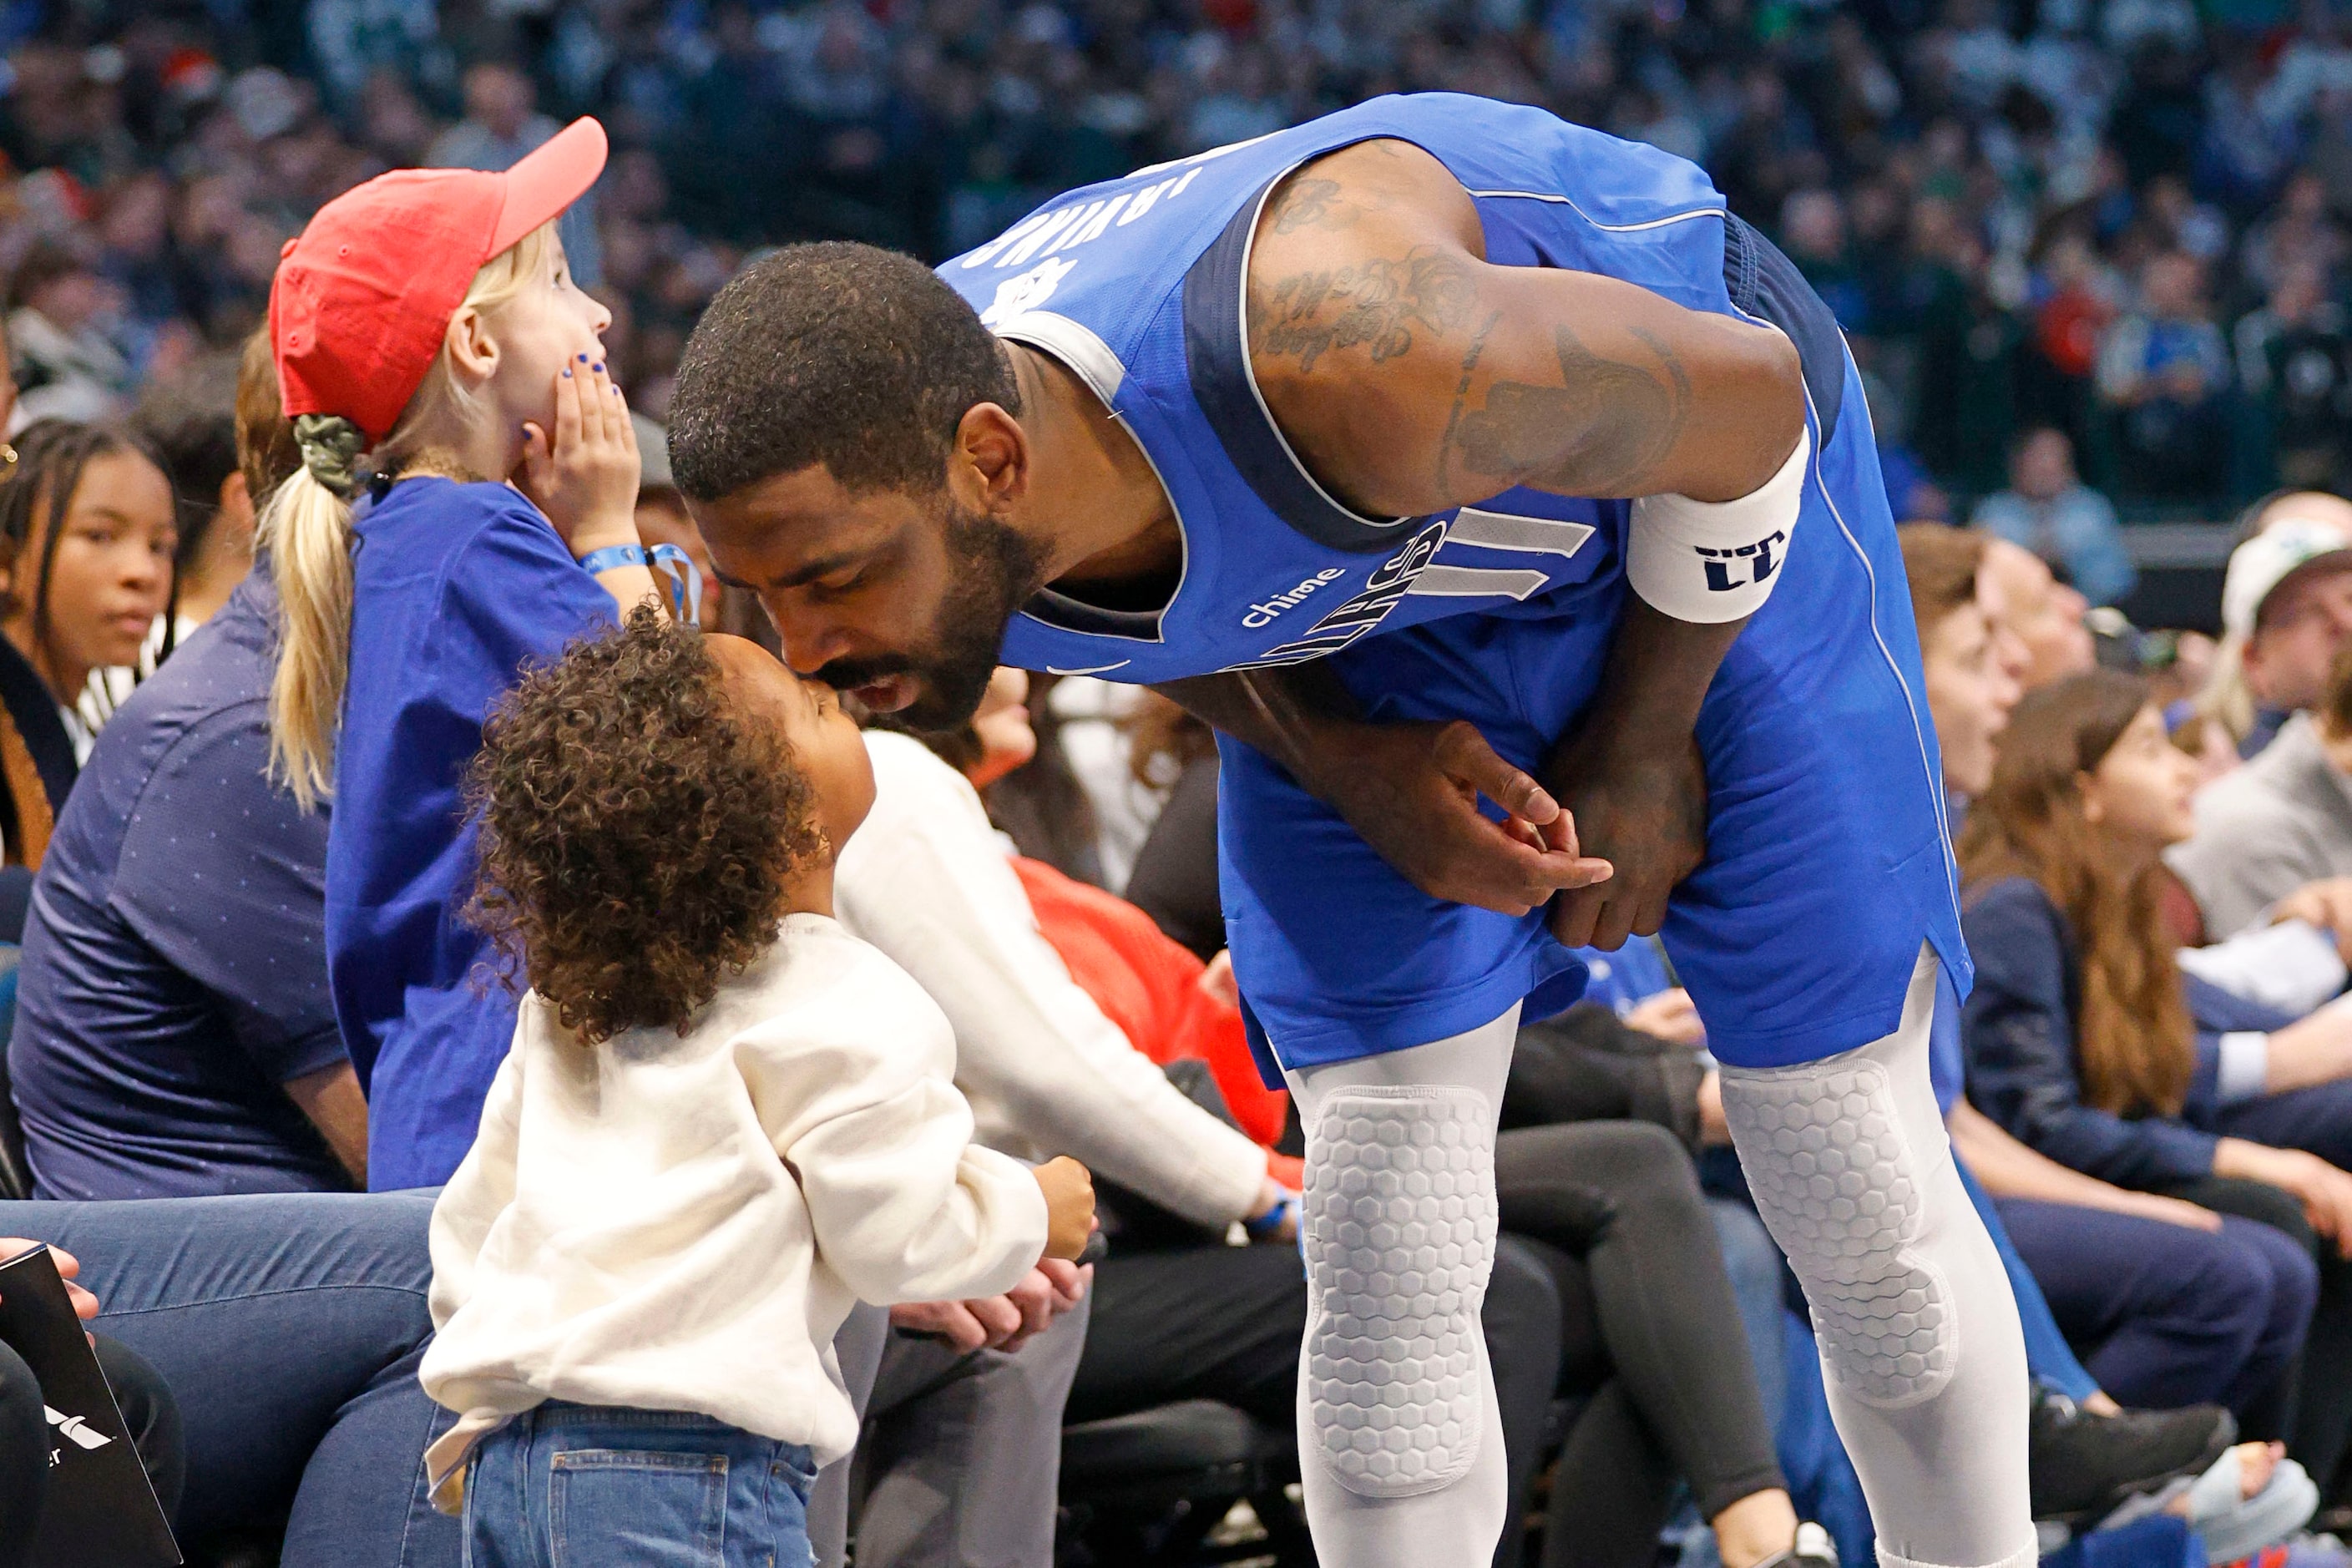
[1774, 378]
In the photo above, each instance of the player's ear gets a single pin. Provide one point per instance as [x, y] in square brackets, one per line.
[990, 456]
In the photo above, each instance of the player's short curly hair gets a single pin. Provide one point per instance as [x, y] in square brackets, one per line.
[638, 834]
[845, 355]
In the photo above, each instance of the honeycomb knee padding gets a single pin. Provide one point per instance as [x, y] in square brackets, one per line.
[1838, 1186]
[1400, 1237]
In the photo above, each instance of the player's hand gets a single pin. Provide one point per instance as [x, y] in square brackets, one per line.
[85, 1305]
[584, 474]
[1645, 811]
[1412, 791]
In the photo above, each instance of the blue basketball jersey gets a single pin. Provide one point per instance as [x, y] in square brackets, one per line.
[1828, 866]
[1137, 286]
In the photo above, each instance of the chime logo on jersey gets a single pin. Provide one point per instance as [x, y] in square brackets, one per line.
[1390, 582]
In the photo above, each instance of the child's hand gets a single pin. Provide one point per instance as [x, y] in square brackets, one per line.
[584, 477]
[1069, 1206]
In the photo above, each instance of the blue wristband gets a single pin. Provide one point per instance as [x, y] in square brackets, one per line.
[685, 581]
[615, 555]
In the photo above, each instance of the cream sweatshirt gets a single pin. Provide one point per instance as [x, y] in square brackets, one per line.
[925, 880]
[681, 1224]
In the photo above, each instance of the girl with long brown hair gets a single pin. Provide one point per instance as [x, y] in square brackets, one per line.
[2087, 1041]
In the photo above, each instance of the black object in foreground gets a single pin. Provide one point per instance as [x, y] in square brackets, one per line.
[101, 1509]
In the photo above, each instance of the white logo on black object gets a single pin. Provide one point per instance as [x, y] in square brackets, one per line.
[1345, 624]
[1261, 615]
[76, 1430]
[1756, 562]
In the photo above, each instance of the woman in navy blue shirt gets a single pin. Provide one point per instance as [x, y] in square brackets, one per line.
[445, 373]
[2085, 1039]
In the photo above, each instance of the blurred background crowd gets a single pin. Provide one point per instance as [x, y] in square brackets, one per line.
[2091, 252]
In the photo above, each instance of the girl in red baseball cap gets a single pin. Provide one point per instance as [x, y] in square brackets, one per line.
[466, 504]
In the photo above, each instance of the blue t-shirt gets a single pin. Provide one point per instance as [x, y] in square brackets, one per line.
[457, 587]
[174, 974]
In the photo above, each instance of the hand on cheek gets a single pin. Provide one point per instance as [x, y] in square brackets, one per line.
[584, 473]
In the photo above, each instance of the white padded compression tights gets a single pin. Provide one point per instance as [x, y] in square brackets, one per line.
[1912, 1312]
[1399, 1441]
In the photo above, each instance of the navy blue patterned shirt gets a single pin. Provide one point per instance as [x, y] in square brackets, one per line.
[174, 971]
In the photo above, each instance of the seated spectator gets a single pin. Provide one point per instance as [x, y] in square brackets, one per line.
[2168, 1305]
[85, 539]
[2281, 821]
[1178, 1315]
[2295, 360]
[191, 423]
[288, 1329]
[2040, 619]
[63, 361]
[2050, 510]
[2086, 1043]
[1970, 685]
[716, 1095]
[2164, 372]
[1045, 1068]
[2287, 611]
[89, 527]
[174, 1035]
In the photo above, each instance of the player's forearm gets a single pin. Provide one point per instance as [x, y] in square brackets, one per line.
[1288, 714]
[1658, 673]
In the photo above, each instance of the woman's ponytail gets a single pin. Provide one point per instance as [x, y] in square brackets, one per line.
[307, 529]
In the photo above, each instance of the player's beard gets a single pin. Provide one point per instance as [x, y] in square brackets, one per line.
[992, 570]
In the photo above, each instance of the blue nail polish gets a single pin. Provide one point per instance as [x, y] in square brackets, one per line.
[598, 368]
[567, 372]
[584, 358]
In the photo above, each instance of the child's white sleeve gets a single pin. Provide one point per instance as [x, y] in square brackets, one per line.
[905, 1207]
[480, 1190]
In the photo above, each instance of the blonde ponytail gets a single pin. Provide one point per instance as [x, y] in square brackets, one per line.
[307, 529]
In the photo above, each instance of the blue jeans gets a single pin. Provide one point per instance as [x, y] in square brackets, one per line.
[592, 1486]
[288, 1326]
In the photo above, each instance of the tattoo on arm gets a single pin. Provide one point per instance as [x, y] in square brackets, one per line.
[1307, 202]
[1611, 422]
[1462, 396]
[1376, 305]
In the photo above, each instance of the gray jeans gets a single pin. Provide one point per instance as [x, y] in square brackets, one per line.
[958, 1464]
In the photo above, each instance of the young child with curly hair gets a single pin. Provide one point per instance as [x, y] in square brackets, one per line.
[723, 1120]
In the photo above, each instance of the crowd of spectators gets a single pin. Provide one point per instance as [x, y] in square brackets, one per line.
[2092, 258]
[2121, 220]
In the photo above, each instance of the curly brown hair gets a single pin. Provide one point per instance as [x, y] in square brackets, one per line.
[638, 835]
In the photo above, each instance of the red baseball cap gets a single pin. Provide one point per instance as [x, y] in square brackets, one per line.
[363, 296]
